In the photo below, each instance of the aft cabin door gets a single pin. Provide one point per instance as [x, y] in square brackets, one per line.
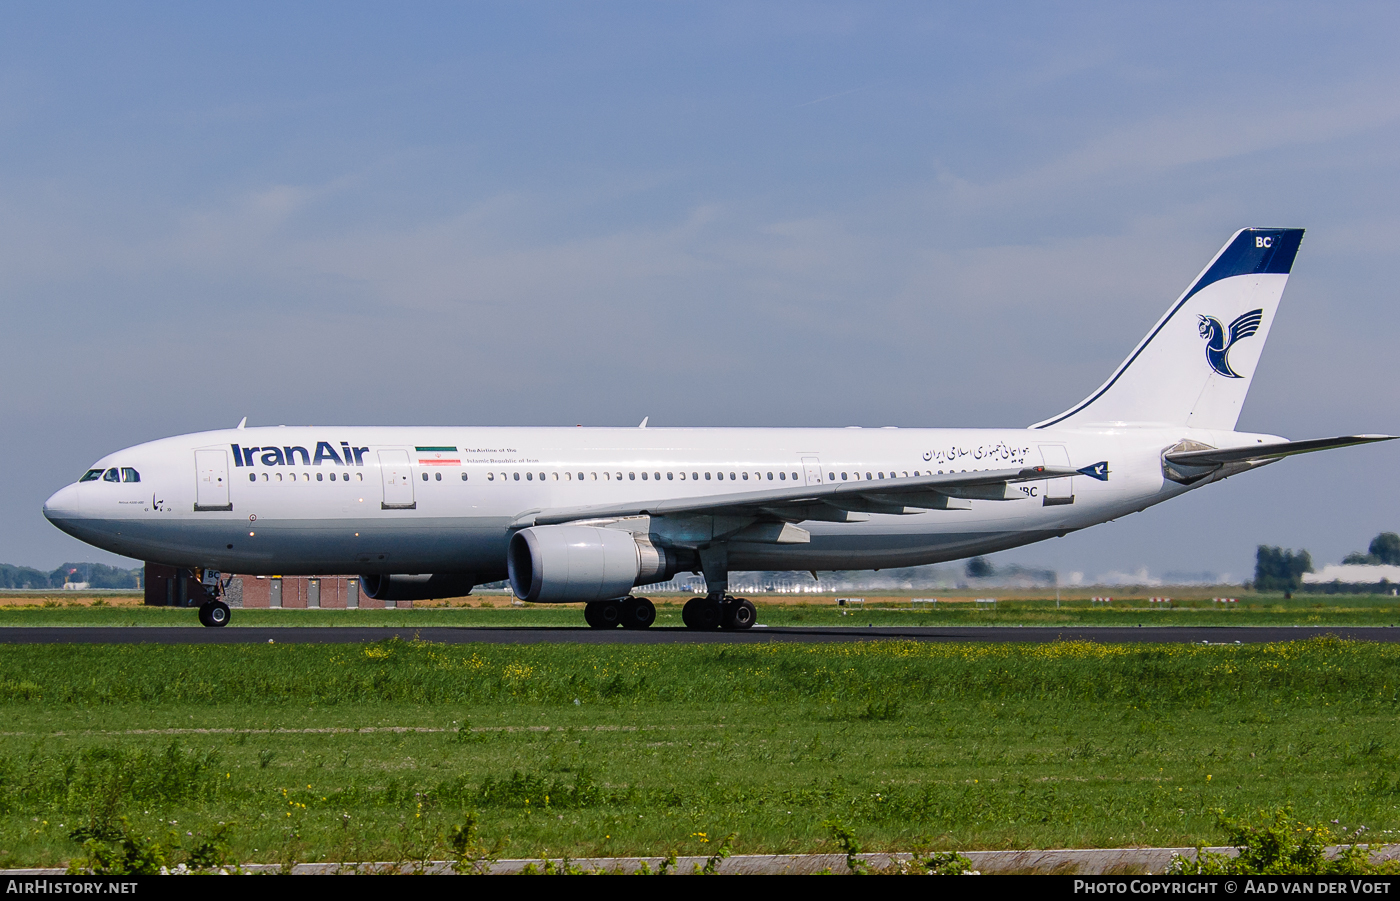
[394, 469]
[1056, 491]
[211, 480]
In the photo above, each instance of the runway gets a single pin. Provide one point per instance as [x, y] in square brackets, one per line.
[582, 635]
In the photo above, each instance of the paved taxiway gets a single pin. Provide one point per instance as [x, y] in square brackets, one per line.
[583, 635]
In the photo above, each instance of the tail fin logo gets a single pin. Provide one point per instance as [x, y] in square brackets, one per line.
[1218, 344]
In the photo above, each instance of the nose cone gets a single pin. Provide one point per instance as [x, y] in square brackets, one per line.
[63, 507]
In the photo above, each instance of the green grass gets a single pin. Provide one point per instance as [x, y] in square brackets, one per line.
[1253, 610]
[374, 752]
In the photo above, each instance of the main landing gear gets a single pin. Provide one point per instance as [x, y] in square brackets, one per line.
[727, 612]
[628, 612]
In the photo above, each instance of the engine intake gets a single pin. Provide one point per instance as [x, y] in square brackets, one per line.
[562, 564]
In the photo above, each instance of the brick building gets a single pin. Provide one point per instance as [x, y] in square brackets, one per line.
[167, 587]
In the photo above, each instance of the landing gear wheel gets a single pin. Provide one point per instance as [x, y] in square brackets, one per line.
[701, 613]
[638, 613]
[214, 614]
[740, 613]
[603, 614]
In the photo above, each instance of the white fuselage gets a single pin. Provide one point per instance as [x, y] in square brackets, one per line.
[302, 500]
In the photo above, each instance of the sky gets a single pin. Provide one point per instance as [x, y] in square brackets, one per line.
[778, 214]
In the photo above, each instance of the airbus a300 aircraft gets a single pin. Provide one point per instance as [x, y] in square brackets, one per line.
[585, 515]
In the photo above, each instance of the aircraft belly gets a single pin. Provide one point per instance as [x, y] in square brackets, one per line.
[299, 546]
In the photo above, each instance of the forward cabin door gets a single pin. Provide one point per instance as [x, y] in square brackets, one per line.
[812, 466]
[397, 474]
[211, 480]
[1056, 491]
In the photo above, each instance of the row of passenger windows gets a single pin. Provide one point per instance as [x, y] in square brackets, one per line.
[305, 477]
[124, 474]
[694, 476]
[130, 475]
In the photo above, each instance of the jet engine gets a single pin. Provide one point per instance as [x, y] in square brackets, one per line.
[417, 587]
[560, 564]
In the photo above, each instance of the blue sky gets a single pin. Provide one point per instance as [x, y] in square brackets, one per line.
[750, 214]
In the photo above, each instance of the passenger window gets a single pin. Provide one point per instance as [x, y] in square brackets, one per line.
[633, 476]
[619, 477]
[794, 477]
[425, 477]
[252, 477]
[843, 477]
[130, 475]
[644, 477]
[867, 475]
[607, 476]
[782, 477]
[746, 477]
[882, 475]
[360, 477]
[517, 476]
[264, 475]
[306, 477]
[321, 476]
[437, 476]
[595, 476]
[770, 477]
[529, 476]
[707, 476]
[670, 477]
[92, 475]
[695, 476]
[541, 477]
[490, 477]
[279, 477]
[556, 476]
[731, 477]
[657, 476]
[464, 476]
[113, 476]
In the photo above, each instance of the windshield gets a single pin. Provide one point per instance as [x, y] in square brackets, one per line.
[92, 475]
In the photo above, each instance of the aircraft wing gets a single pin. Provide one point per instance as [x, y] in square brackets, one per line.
[1274, 451]
[828, 502]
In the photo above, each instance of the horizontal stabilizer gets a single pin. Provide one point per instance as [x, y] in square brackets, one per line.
[1217, 457]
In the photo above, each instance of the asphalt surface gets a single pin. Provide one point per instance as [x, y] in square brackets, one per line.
[584, 635]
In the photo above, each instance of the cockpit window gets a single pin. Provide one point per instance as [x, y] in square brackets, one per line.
[112, 475]
[92, 475]
[130, 475]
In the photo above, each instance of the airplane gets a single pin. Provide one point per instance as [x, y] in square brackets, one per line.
[589, 514]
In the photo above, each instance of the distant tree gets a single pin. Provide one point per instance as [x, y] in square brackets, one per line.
[1276, 569]
[1385, 547]
[979, 568]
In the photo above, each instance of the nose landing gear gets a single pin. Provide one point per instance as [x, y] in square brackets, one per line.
[213, 613]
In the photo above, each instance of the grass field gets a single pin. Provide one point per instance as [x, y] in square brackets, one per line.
[376, 751]
[878, 609]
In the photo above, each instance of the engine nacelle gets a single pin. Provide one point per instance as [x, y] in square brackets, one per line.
[417, 587]
[561, 564]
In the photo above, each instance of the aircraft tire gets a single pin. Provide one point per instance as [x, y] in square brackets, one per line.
[603, 614]
[638, 613]
[740, 614]
[704, 614]
[214, 614]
